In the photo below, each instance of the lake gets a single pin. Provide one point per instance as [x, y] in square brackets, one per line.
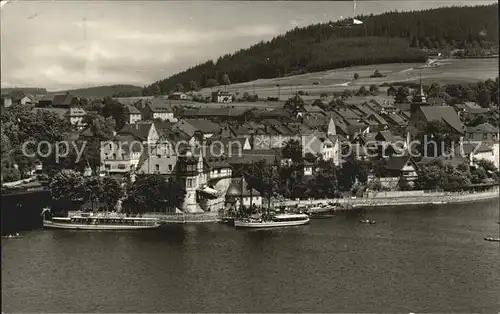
[415, 259]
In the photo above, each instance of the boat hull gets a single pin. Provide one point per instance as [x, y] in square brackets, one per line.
[55, 225]
[269, 224]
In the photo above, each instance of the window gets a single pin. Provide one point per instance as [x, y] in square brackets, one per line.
[110, 147]
[107, 167]
[170, 167]
[485, 136]
[189, 183]
[114, 156]
[406, 173]
[157, 167]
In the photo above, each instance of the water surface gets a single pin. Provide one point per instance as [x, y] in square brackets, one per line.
[426, 259]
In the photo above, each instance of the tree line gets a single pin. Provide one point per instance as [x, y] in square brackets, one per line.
[383, 38]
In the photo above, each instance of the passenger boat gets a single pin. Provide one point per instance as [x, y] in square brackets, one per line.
[492, 239]
[280, 220]
[367, 221]
[101, 221]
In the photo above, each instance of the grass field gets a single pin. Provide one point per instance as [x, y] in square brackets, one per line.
[450, 71]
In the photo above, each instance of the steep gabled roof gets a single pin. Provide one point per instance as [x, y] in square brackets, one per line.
[395, 118]
[139, 130]
[129, 109]
[159, 104]
[397, 162]
[202, 125]
[483, 128]
[63, 100]
[443, 113]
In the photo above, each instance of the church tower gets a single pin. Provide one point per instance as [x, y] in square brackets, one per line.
[418, 101]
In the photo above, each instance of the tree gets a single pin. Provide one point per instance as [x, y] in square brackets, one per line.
[265, 178]
[114, 109]
[293, 151]
[402, 95]
[226, 80]
[93, 189]
[67, 185]
[193, 86]
[436, 138]
[156, 89]
[356, 76]
[455, 180]
[483, 99]
[111, 192]
[487, 165]
[374, 90]
[294, 104]
[377, 74]
[179, 88]
[346, 94]
[430, 177]
[154, 193]
[212, 83]
[325, 183]
[392, 91]
[362, 91]
[478, 175]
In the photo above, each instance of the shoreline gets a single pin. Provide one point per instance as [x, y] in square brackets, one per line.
[439, 198]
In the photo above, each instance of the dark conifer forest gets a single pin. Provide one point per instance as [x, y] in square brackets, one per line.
[386, 38]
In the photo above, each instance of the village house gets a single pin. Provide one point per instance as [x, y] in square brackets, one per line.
[58, 101]
[397, 171]
[220, 114]
[240, 193]
[160, 157]
[142, 131]
[21, 98]
[206, 179]
[206, 127]
[222, 97]
[482, 132]
[158, 108]
[6, 101]
[422, 113]
[75, 117]
[120, 155]
[481, 150]
[178, 96]
[132, 113]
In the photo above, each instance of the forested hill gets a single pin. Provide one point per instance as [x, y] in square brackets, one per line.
[105, 91]
[336, 44]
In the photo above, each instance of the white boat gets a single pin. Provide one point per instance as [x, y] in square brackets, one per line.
[101, 221]
[281, 220]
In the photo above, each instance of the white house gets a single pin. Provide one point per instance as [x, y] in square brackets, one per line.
[75, 117]
[239, 192]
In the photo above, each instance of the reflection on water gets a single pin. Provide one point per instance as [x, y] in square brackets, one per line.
[415, 259]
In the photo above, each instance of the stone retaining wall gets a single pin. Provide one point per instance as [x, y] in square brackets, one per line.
[423, 198]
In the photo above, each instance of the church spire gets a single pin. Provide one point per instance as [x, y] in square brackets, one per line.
[420, 96]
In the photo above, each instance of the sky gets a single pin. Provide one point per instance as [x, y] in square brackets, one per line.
[62, 45]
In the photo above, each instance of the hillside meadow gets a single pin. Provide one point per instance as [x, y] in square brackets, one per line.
[450, 71]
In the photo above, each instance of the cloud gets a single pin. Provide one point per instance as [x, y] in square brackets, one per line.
[112, 53]
[84, 43]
